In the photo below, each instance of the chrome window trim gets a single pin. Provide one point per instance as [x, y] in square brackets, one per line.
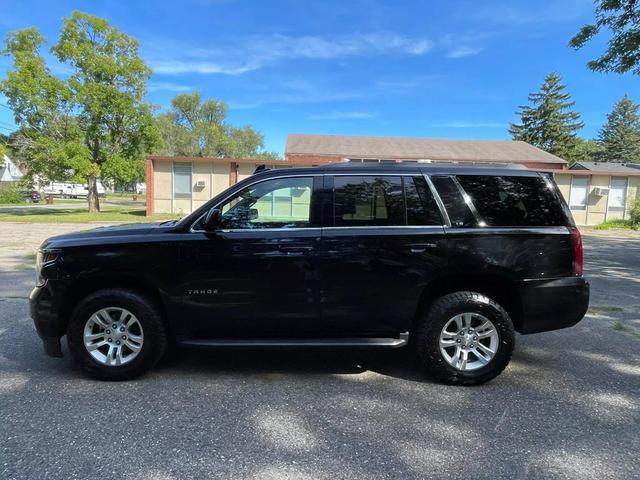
[467, 199]
[374, 227]
[439, 202]
[283, 229]
[260, 180]
[558, 230]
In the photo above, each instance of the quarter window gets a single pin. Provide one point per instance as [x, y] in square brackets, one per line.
[513, 201]
[277, 203]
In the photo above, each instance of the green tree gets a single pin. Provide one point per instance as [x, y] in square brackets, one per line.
[92, 124]
[622, 18]
[620, 136]
[586, 151]
[199, 128]
[549, 123]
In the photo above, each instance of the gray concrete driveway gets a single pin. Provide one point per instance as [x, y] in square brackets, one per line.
[567, 407]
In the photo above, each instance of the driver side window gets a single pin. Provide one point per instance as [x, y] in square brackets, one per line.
[277, 203]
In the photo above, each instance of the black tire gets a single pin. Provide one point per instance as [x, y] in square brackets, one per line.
[155, 334]
[430, 325]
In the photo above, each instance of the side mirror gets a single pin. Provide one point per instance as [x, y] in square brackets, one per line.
[212, 220]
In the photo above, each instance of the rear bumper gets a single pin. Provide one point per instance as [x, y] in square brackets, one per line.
[46, 318]
[553, 304]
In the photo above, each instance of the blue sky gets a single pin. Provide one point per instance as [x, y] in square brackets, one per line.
[449, 69]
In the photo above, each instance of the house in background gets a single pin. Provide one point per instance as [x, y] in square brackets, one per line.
[599, 192]
[596, 192]
[9, 172]
[310, 149]
[182, 184]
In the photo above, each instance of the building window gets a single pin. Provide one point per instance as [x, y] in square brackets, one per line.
[182, 180]
[579, 191]
[617, 194]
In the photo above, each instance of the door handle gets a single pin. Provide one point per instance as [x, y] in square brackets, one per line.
[421, 247]
[295, 249]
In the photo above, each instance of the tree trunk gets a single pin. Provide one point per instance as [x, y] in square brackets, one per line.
[92, 195]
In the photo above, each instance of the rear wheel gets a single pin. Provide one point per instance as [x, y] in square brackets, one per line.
[465, 338]
[116, 335]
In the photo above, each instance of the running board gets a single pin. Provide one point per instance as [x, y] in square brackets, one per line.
[300, 342]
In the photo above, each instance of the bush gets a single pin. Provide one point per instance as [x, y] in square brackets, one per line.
[634, 213]
[10, 195]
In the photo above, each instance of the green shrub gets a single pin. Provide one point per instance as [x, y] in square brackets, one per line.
[10, 195]
[634, 213]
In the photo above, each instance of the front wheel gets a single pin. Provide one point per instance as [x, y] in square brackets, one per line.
[116, 335]
[465, 338]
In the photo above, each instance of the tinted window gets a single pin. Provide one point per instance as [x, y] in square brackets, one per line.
[513, 201]
[421, 206]
[368, 201]
[459, 212]
[278, 203]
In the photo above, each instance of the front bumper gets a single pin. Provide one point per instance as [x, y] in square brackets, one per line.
[553, 304]
[46, 318]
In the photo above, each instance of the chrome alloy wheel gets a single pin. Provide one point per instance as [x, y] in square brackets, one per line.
[468, 341]
[113, 336]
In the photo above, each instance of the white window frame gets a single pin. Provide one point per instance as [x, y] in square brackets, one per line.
[623, 208]
[580, 207]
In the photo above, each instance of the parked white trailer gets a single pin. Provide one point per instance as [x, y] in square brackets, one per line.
[71, 190]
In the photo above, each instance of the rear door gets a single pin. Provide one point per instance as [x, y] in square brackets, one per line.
[381, 244]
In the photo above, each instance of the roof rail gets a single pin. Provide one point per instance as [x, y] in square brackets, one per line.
[261, 168]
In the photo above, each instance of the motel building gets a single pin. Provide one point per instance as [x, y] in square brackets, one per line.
[595, 192]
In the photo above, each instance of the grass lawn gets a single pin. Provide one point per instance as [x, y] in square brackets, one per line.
[80, 215]
[613, 224]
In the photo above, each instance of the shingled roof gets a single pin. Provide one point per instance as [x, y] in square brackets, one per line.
[493, 151]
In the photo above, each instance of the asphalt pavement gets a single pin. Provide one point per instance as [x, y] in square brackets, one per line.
[568, 406]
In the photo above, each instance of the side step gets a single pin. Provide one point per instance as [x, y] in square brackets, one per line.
[300, 342]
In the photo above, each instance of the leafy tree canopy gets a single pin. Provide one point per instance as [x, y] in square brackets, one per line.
[622, 18]
[586, 151]
[548, 122]
[94, 123]
[619, 138]
[194, 127]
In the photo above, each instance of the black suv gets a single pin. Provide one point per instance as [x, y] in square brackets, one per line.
[452, 259]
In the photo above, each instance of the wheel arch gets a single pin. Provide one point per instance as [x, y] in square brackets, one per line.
[86, 286]
[497, 287]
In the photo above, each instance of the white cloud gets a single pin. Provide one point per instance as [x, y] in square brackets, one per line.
[257, 52]
[342, 115]
[464, 52]
[168, 86]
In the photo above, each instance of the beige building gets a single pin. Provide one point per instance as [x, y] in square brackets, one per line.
[599, 192]
[595, 192]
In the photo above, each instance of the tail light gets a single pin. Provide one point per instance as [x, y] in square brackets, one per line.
[578, 257]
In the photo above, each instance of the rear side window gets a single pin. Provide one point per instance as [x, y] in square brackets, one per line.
[421, 206]
[459, 212]
[513, 201]
[368, 201]
[383, 201]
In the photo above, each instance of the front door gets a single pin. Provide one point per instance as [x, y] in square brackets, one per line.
[383, 244]
[256, 276]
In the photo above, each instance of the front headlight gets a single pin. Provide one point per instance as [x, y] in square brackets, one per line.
[43, 258]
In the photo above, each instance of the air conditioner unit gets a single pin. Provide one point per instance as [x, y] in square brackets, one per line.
[200, 184]
[601, 191]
